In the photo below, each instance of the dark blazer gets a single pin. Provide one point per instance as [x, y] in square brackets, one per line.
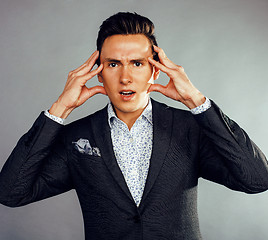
[45, 163]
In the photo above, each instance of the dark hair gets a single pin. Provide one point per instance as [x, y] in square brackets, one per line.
[126, 23]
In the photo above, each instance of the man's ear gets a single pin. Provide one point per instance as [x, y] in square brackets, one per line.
[100, 78]
[156, 73]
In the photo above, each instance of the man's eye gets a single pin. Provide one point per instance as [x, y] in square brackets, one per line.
[112, 64]
[137, 64]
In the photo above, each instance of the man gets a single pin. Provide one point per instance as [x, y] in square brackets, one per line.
[134, 164]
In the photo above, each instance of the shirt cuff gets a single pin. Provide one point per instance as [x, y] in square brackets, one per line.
[202, 108]
[54, 118]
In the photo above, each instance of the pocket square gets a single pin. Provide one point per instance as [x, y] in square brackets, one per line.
[83, 146]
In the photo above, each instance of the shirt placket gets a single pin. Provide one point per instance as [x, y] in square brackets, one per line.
[139, 174]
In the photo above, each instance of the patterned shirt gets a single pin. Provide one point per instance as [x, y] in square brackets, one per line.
[202, 108]
[133, 149]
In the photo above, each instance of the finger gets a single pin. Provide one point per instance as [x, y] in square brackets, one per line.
[157, 88]
[87, 93]
[160, 66]
[163, 58]
[86, 62]
[83, 79]
[95, 90]
[87, 66]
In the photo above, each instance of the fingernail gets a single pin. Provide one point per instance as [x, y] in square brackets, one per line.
[151, 81]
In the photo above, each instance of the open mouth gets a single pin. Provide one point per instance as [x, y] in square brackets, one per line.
[127, 93]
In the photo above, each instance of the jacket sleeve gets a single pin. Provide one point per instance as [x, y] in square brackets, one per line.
[37, 167]
[228, 156]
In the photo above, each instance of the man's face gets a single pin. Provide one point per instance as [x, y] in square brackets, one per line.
[127, 73]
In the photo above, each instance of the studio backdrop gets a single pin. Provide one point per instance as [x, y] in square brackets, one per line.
[223, 48]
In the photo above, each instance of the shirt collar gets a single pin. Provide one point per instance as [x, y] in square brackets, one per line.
[146, 114]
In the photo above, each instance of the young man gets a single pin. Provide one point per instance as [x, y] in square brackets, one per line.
[134, 164]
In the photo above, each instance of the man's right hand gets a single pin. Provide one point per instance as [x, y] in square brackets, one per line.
[75, 92]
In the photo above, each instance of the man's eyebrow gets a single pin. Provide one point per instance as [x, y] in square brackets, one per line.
[131, 60]
[138, 59]
[111, 60]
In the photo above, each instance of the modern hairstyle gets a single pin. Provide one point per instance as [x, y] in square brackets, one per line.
[125, 23]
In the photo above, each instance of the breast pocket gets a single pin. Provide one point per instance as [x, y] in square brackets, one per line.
[89, 172]
[78, 157]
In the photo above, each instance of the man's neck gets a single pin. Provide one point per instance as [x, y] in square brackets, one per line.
[129, 118]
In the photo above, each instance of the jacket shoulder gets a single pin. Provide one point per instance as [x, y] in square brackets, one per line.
[176, 113]
[85, 122]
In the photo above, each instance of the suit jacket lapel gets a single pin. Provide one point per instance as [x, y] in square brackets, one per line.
[102, 135]
[162, 128]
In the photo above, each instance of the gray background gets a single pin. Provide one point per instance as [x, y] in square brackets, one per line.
[221, 44]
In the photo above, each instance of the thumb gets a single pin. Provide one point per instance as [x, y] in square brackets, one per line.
[88, 93]
[157, 88]
[95, 90]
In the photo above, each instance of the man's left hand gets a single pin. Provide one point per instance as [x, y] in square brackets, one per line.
[179, 87]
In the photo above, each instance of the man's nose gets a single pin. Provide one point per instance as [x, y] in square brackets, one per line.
[125, 76]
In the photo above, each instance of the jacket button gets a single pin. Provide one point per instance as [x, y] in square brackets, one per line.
[136, 219]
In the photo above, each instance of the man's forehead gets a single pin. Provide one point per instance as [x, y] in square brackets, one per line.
[138, 41]
[126, 46]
